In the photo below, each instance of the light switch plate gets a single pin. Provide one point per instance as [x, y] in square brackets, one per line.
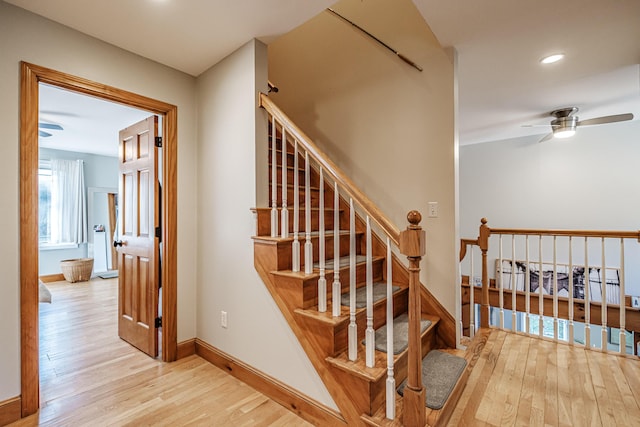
[433, 209]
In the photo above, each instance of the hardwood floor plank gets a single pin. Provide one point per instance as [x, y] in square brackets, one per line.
[516, 367]
[534, 382]
[551, 383]
[528, 383]
[89, 376]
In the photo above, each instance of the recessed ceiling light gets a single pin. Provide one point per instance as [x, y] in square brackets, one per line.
[552, 58]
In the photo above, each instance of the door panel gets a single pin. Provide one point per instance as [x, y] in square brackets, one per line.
[138, 262]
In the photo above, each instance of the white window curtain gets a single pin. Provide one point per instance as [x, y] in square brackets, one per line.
[68, 202]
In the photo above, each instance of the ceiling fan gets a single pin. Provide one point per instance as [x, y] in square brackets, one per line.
[50, 126]
[565, 122]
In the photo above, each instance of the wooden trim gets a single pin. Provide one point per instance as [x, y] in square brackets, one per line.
[298, 403]
[573, 233]
[29, 370]
[186, 348]
[31, 76]
[613, 310]
[49, 278]
[336, 173]
[10, 410]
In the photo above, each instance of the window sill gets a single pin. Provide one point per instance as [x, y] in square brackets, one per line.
[57, 246]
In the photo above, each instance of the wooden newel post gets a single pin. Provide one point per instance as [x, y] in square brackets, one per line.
[483, 243]
[413, 245]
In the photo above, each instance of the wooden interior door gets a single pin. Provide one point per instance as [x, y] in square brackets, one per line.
[137, 241]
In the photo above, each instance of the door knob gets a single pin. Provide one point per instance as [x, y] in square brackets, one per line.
[117, 243]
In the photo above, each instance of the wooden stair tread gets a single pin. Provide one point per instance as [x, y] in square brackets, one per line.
[328, 318]
[316, 272]
[359, 368]
[301, 208]
[437, 416]
[302, 236]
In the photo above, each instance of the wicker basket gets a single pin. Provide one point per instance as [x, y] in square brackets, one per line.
[77, 270]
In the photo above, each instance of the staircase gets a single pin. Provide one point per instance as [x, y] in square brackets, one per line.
[360, 391]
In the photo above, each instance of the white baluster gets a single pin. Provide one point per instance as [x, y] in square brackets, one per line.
[322, 281]
[527, 285]
[501, 285]
[295, 247]
[623, 308]
[274, 180]
[555, 289]
[540, 291]
[604, 300]
[337, 287]
[308, 247]
[353, 326]
[513, 284]
[391, 382]
[284, 226]
[472, 304]
[370, 333]
[587, 296]
[571, 292]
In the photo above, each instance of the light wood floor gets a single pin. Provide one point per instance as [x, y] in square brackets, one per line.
[526, 381]
[88, 376]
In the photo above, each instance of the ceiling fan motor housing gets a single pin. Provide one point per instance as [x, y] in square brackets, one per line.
[564, 126]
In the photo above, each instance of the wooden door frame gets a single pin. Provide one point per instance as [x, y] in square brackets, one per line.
[31, 76]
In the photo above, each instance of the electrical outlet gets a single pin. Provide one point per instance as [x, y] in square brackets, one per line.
[223, 319]
[635, 302]
[433, 209]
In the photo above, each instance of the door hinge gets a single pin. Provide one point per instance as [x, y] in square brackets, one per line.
[158, 322]
[158, 232]
[159, 141]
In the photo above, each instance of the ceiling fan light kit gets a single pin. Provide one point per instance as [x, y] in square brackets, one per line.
[565, 123]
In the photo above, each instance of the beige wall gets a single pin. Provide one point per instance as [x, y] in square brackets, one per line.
[389, 126]
[229, 124]
[27, 37]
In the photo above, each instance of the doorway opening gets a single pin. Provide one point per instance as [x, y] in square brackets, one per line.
[32, 76]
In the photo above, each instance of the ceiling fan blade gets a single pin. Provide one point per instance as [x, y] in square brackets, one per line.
[546, 137]
[49, 126]
[606, 119]
[43, 134]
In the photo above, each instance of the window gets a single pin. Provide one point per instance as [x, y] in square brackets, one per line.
[547, 327]
[62, 212]
[44, 203]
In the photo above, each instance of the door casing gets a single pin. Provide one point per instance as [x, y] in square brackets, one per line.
[31, 76]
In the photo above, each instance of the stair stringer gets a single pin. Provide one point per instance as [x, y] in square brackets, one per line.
[264, 264]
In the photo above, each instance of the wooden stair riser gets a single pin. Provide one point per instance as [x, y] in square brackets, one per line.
[329, 241]
[376, 388]
[290, 160]
[304, 288]
[263, 218]
[285, 251]
[400, 301]
[314, 178]
[314, 195]
[333, 336]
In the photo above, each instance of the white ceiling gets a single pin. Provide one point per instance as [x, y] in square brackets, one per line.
[499, 42]
[90, 125]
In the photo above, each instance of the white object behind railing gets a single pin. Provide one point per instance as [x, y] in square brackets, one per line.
[595, 282]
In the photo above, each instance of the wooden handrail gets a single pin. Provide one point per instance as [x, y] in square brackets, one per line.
[463, 247]
[574, 233]
[336, 173]
[272, 88]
